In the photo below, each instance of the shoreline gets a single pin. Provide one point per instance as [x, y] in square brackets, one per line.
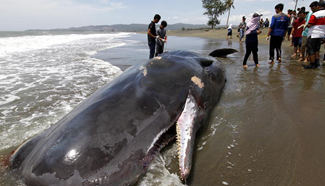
[221, 34]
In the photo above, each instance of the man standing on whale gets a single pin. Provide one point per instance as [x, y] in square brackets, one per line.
[152, 35]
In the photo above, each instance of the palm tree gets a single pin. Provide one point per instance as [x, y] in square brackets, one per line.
[229, 4]
[296, 5]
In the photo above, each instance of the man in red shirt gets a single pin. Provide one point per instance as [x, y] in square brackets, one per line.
[298, 27]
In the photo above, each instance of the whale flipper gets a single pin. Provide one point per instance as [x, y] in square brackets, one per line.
[223, 52]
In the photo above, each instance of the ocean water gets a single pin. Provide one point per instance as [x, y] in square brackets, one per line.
[44, 77]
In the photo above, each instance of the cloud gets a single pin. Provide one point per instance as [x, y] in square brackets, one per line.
[98, 4]
[27, 14]
[257, 0]
[188, 19]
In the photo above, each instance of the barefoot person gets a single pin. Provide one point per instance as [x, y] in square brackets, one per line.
[298, 27]
[252, 30]
[304, 54]
[162, 38]
[277, 31]
[152, 35]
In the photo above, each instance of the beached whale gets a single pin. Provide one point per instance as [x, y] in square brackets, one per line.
[112, 136]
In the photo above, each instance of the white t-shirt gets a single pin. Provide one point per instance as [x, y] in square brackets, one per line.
[317, 19]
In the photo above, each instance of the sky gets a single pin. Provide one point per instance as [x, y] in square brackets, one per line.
[18, 15]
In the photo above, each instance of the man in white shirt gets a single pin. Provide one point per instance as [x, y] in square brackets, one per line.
[316, 34]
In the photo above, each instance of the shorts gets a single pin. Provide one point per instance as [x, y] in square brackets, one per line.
[313, 45]
[241, 33]
[297, 41]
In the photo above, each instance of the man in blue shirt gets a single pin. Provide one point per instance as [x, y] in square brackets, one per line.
[277, 31]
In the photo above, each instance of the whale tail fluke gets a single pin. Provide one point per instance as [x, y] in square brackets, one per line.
[223, 52]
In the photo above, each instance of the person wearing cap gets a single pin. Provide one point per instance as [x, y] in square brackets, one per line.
[316, 34]
[277, 32]
[252, 30]
[152, 35]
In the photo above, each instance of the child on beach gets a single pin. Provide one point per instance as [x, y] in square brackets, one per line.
[162, 38]
[252, 30]
[297, 26]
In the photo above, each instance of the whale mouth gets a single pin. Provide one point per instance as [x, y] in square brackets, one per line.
[185, 131]
[186, 128]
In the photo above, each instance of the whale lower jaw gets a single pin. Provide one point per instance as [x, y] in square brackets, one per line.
[186, 128]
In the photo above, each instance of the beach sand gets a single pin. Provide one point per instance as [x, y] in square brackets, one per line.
[220, 34]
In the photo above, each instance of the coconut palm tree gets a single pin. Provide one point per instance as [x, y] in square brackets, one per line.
[296, 4]
[229, 4]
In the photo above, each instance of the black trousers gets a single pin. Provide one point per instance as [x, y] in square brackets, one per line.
[275, 43]
[251, 48]
[152, 48]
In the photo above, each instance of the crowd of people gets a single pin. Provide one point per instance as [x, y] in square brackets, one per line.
[304, 29]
